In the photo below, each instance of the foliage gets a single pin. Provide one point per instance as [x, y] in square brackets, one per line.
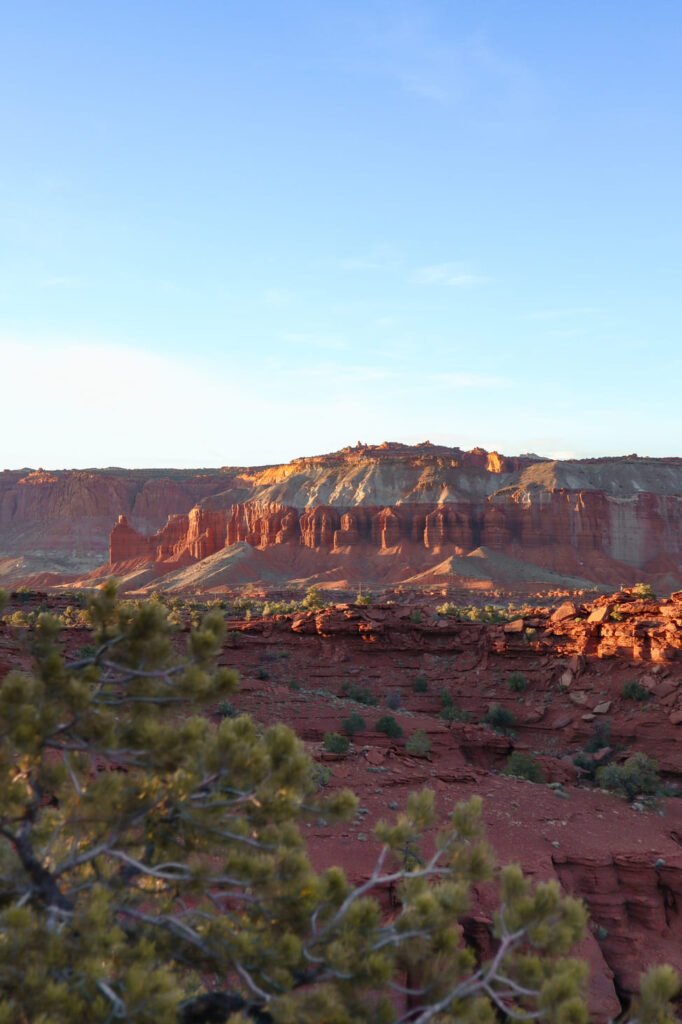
[313, 600]
[388, 725]
[450, 714]
[499, 718]
[358, 693]
[600, 738]
[334, 743]
[633, 690]
[393, 701]
[418, 743]
[226, 709]
[517, 682]
[420, 684]
[642, 591]
[363, 599]
[638, 776]
[416, 616]
[353, 724]
[490, 613]
[523, 766]
[153, 868]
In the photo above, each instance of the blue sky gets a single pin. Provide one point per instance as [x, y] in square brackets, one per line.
[236, 233]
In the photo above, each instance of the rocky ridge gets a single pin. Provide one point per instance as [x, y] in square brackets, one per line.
[309, 667]
[386, 512]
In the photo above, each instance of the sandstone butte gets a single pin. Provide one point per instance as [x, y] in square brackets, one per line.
[390, 513]
[624, 859]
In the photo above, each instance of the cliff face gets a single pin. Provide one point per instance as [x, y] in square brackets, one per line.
[62, 520]
[588, 535]
[605, 520]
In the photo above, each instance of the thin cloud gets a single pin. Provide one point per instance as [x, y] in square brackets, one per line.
[451, 275]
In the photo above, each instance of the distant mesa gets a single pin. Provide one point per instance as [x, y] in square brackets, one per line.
[385, 513]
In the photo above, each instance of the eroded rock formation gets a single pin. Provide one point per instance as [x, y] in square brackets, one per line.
[600, 520]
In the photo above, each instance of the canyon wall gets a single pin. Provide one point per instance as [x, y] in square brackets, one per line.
[595, 519]
[585, 533]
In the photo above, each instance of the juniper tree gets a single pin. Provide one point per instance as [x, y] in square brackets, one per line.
[152, 867]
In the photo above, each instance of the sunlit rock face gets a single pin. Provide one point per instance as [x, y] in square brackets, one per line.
[606, 520]
[592, 519]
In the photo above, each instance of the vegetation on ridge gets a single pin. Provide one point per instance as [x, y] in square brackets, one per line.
[152, 867]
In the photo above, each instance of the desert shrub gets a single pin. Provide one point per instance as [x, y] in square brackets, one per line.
[634, 691]
[523, 766]
[642, 591]
[262, 673]
[601, 737]
[389, 726]
[226, 709]
[363, 599]
[450, 713]
[446, 700]
[416, 616]
[294, 685]
[420, 684]
[585, 762]
[499, 718]
[418, 743]
[638, 776]
[472, 613]
[353, 724]
[104, 916]
[322, 773]
[312, 600]
[393, 701]
[335, 743]
[517, 682]
[360, 694]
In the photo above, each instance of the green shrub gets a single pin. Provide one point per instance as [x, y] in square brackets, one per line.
[418, 743]
[500, 719]
[389, 726]
[416, 616]
[634, 691]
[420, 684]
[227, 710]
[450, 713]
[262, 673]
[517, 682]
[360, 694]
[312, 600]
[636, 776]
[601, 737]
[335, 743]
[354, 723]
[523, 766]
[363, 599]
[642, 591]
[393, 701]
[446, 700]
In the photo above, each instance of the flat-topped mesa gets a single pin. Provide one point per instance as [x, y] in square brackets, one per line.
[595, 519]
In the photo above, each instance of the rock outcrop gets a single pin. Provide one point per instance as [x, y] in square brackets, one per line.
[603, 521]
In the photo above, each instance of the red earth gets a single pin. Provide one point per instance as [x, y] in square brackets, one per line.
[624, 859]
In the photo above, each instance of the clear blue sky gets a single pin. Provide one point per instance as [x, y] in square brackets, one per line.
[239, 232]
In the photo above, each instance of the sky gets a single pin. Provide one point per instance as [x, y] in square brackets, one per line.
[235, 233]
